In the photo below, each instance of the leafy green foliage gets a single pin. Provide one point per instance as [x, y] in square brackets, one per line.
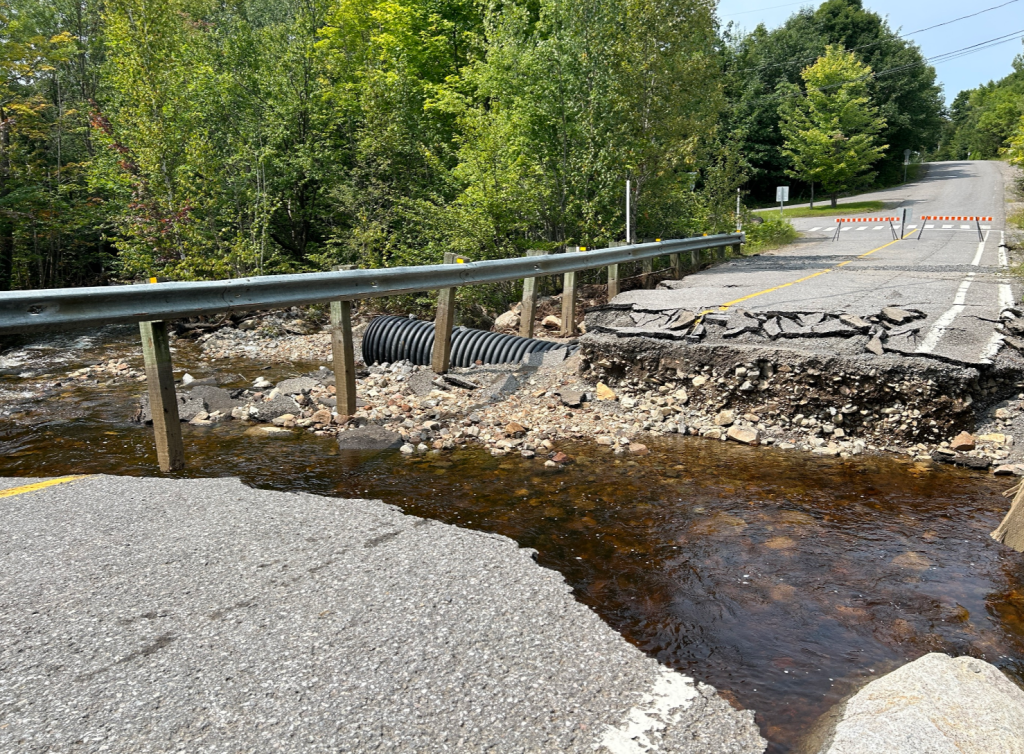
[770, 234]
[830, 127]
[902, 87]
[986, 121]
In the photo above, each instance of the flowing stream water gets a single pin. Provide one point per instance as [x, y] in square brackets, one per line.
[785, 580]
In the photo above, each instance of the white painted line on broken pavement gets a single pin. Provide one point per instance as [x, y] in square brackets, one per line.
[657, 710]
[1005, 302]
[981, 250]
[942, 323]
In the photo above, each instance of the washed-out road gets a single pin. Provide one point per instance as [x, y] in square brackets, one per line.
[941, 268]
[159, 615]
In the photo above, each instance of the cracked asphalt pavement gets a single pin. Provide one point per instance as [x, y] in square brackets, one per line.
[943, 269]
[158, 615]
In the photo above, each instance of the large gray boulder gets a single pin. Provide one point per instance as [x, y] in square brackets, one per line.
[370, 437]
[934, 705]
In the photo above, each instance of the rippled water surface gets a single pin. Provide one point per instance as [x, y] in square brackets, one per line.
[784, 580]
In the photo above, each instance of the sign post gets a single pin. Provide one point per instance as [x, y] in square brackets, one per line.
[906, 161]
[782, 196]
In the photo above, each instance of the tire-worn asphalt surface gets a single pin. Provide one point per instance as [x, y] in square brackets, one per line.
[157, 615]
[960, 282]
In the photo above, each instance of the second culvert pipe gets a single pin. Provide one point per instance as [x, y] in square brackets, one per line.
[390, 339]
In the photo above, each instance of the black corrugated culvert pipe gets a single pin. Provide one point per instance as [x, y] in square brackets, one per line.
[390, 339]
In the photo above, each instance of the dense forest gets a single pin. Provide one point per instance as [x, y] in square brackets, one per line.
[217, 138]
[986, 122]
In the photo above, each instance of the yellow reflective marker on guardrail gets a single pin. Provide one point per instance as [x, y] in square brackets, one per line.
[40, 485]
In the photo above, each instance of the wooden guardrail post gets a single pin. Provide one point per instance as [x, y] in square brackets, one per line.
[163, 400]
[442, 355]
[569, 298]
[613, 273]
[529, 308]
[647, 268]
[343, 353]
[695, 259]
[676, 264]
[736, 250]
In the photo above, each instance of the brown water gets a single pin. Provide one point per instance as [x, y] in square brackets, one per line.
[784, 580]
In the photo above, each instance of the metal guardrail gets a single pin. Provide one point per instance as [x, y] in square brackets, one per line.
[152, 305]
[77, 308]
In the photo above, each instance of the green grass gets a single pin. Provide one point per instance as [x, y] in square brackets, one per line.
[844, 208]
[771, 234]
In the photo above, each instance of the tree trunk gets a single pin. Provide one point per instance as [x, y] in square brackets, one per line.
[6, 254]
[6, 223]
[835, 199]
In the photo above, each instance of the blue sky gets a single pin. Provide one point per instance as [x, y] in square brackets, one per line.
[964, 72]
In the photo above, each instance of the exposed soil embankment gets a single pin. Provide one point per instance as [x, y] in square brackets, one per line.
[831, 404]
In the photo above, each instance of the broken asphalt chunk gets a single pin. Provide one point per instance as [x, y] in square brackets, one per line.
[898, 316]
[811, 319]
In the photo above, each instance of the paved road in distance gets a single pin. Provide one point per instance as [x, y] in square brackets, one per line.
[957, 279]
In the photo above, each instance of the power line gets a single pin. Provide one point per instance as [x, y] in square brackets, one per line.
[941, 58]
[773, 7]
[881, 41]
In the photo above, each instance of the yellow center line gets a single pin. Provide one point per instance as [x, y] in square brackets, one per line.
[40, 485]
[726, 305]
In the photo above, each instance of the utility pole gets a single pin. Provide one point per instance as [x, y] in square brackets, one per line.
[739, 218]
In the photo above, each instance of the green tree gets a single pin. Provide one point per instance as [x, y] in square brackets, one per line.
[983, 120]
[831, 128]
[903, 85]
[573, 99]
